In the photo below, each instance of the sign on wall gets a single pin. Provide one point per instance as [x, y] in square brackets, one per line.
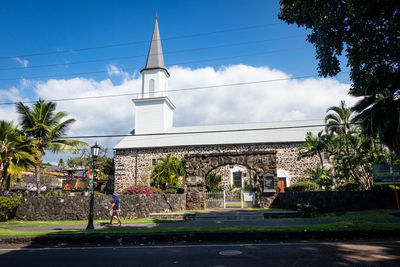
[268, 183]
[383, 174]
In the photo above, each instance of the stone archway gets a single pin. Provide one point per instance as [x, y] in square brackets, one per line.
[262, 163]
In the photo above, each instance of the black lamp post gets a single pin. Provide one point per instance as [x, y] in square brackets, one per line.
[95, 153]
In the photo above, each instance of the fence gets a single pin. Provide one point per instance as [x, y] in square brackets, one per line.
[230, 199]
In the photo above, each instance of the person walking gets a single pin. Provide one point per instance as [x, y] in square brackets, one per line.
[115, 210]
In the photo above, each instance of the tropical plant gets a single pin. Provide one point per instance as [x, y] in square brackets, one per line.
[168, 172]
[338, 119]
[212, 182]
[16, 152]
[306, 210]
[45, 125]
[321, 176]
[314, 145]
[379, 116]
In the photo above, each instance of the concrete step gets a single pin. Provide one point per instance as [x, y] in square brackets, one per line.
[230, 216]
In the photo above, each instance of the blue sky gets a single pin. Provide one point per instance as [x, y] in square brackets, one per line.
[32, 27]
[44, 26]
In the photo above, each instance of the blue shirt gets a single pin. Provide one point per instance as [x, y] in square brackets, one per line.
[116, 202]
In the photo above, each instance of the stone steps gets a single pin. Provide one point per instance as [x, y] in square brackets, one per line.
[230, 216]
[174, 216]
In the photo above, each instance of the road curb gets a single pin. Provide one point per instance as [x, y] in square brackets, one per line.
[226, 236]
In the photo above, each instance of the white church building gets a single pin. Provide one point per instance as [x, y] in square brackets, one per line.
[155, 136]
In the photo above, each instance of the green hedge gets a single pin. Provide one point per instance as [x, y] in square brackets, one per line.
[303, 186]
[8, 207]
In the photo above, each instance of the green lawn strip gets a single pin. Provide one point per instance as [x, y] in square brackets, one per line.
[344, 226]
[213, 210]
[15, 223]
[352, 216]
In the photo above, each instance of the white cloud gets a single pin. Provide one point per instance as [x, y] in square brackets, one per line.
[273, 101]
[23, 62]
[113, 70]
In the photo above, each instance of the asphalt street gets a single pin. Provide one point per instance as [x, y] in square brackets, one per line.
[362, 253]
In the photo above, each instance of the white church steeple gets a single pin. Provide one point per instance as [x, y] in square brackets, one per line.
[153, 108]
[155, 75]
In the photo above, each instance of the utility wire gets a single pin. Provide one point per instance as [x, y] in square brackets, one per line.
[169, 90]
[201, 132]
[133, 68]
[139, 42]
[139, 56]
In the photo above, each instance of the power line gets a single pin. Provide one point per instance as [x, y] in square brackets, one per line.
[169, 90]
[138, 56]
[201, 132]
[132, 68]
[140, 42]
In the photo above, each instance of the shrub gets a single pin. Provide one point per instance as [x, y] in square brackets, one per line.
[174, 190]
[307, 210]
[8, 207]
[303, 186]
[52, 194]
[349, 186]
[212, 182]
[141, 190]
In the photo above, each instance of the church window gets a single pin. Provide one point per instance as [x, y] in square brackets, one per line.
[153, 162]
[151, 87]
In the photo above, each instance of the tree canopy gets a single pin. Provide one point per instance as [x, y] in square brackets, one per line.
[369, 34]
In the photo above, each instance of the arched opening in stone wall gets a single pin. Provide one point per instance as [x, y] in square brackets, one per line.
[235, 176]
[261, 166]
[258, 163]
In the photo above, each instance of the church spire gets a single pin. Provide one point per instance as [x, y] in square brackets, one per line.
[155, 59]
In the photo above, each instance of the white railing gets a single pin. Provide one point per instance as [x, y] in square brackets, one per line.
[228, 198]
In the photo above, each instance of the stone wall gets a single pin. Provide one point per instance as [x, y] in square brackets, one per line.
[132, 166]
[327, 201]
[195, 195]
[77, 207]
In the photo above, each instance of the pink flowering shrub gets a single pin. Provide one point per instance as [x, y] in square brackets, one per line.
[141, 190]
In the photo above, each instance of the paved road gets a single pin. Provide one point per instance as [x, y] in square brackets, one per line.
[370, 253]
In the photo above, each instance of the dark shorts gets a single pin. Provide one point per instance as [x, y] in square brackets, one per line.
[115, 213]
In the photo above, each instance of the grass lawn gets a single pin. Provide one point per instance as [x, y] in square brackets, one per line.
[348, 226]
[353, 216]
[15, 223]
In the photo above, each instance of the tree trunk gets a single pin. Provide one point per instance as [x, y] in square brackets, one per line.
[37, 175]
[4, 175]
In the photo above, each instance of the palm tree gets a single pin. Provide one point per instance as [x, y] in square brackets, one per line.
[379, 116]
[168, 172]
[42, 123]
[16, 152]
[314, 145]
[339, 119]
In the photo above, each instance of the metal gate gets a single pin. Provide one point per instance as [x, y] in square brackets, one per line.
[229, 199]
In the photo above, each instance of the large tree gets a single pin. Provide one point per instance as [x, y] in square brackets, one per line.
[45, 125]
[16, 152]
[368, 31]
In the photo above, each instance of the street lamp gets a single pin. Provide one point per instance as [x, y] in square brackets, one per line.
[95, 153]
